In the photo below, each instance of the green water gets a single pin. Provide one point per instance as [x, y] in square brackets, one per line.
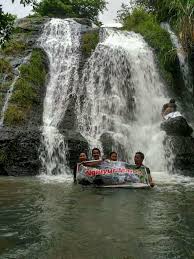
[51, 218]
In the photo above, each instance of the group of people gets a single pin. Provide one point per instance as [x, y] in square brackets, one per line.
[113, 156]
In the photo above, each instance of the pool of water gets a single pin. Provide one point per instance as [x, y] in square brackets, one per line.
[53, 218]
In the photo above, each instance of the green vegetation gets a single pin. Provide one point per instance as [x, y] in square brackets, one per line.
[13, 47]
[90, 41]
[146, 24]
[14, 115]
[5, 67]
[25, 95]
[70, 8]
[179, 13]
[6, 25]
[5, 86]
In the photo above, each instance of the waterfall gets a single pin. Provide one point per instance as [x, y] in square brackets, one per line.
[61, 42]
[7, 98]
[121, 96]
[11, 89]
[182, 56]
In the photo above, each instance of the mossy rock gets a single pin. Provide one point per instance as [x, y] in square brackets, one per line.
[15, 115]
[24, 94]
[89, 42]
[5, 67]
[31, 23]
[13, 47]
[26, 89]
[4, 87]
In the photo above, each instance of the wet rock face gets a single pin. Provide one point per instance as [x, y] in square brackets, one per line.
[180, 154]
[176, 127]
[179, 146]
[19, 152]
[76, 144]
[20, 145]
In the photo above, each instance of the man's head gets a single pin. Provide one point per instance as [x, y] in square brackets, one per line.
[82, 157]
[172, 105]
[96, 153]
[172, 101]
[138, 158]
[113, 156]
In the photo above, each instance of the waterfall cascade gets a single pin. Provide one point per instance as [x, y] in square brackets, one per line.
[61, 42]
[182, 56]
[119, 97]
[123, 97]
[7, 98]
[10, 91]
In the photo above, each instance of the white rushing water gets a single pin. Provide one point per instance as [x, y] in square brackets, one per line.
[11, 89]
[123, 98]
[182, 56]
[61, 41]
[7, 99]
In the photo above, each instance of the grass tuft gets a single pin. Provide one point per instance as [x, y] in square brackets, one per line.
[90, 41]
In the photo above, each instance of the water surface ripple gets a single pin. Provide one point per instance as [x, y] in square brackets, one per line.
[56, 219]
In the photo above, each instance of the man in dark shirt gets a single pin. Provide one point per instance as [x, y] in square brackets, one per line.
[138, 159]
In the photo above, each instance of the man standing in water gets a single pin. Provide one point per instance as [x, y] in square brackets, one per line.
[82, 158]
[138, 159]
[113, 156]
[96, 154]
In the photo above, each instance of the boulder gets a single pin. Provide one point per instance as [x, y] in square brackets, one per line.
[19, 152]
[179, 152]
[176, 127]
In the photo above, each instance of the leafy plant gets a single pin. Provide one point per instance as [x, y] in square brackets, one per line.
[180, 13]
[6, 26]
[70, 8]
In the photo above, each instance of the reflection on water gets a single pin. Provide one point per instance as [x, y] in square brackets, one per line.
[43, 218]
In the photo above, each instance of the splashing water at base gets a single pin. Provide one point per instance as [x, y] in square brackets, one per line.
[61, 41]
[123, 98]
